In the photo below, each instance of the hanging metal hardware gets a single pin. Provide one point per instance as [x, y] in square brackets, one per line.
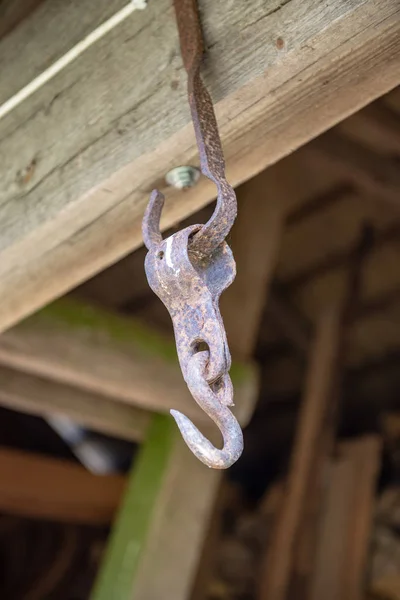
[189, 270]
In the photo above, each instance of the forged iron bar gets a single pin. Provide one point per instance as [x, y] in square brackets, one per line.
[189, 270]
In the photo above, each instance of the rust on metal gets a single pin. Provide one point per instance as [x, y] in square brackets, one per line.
[212, 161]
[189, 270]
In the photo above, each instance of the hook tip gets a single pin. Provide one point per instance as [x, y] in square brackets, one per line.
[202, 447]
[151, 220]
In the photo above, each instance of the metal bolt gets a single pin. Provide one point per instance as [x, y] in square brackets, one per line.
[183, 177]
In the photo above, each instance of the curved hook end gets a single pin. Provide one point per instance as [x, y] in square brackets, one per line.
[202, 447]
[151, 220]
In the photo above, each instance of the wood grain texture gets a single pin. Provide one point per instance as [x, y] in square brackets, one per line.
[12, 12]
[278, 561]
[45, 397]
[115, 357]
[40, 487]
[79, 159]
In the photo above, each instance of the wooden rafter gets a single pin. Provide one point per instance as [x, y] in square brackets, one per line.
[76, 173]
[41, 487]
[107, 355]
[45, 397]
[278, 561]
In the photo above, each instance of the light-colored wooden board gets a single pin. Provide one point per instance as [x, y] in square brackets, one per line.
[45, 488]
[278, 561]
[106, 354]
[79, 158]
[45, 397]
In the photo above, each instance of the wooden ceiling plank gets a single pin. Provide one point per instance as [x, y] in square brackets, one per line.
[46, 488]
[45, 397]
[113, 356]
[79, 158]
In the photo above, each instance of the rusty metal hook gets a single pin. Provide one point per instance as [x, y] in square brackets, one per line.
[217, 409]
[189, 270]
[190, 288]
[212, 161]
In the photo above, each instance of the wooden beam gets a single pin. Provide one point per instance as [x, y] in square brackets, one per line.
[341, 556]
[79, 158]
[278, 561]
[112, 356]
[157, 537]
[307, 534]
[377, 175]
[45, 397]
[40, 487]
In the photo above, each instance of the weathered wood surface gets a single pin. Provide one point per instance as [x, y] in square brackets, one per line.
[280, 553]
[45, 397]
[79, 158]
[118, 358]
[46, 488]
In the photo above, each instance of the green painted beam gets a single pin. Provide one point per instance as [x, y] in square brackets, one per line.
[79, 316]
[116, 579]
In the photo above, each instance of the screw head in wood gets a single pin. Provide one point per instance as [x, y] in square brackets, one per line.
[183, 177]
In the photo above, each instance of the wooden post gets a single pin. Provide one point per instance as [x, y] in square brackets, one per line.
[344, 534]
[124, 551]
[156, 541]
[278, 561]
[307, 535]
